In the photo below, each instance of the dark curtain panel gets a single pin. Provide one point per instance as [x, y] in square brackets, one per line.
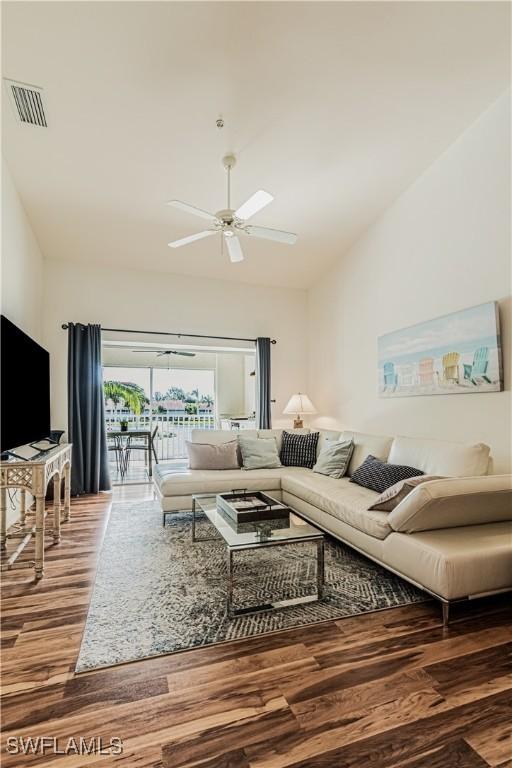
[263, 380]
[86, 422]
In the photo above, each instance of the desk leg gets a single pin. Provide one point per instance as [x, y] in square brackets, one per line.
[150, 456]
[39, 559]
[23, 508]
[56, 509]
[67, 491]
[3, 522]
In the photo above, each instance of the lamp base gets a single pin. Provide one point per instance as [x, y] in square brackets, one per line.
[298, 423]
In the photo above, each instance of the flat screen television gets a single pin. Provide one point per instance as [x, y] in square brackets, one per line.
[25, 388]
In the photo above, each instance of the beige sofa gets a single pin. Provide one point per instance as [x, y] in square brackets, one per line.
[450, 537]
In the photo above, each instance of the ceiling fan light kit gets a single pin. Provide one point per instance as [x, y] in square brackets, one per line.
[231, 223]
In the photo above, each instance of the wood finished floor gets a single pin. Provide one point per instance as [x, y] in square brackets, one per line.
[385, 689]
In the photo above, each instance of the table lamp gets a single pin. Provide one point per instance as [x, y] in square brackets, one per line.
[299, 404]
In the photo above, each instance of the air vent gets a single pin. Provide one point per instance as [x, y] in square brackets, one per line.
[27, 101]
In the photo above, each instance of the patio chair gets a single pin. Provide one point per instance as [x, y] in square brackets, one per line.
[390, 377]
[141, 445]
[451, 368]
[479, 368]
[406, 375]
[426, 371]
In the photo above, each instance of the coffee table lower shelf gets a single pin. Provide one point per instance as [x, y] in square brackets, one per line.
[314, 535]
[233, 612]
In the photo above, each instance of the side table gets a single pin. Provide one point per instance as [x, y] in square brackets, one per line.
[34, 476]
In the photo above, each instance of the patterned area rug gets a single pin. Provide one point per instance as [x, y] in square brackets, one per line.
[156, 592]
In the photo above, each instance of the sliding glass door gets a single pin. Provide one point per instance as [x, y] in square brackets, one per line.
[172, 401]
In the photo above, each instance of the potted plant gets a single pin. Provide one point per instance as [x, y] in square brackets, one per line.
[124, 425]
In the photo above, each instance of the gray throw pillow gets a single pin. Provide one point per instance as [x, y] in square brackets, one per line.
[209, 456]
[392, 497]
[259, 453]
[334, 458]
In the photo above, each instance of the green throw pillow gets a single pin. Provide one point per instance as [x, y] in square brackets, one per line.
[259, 452]
[334, 458]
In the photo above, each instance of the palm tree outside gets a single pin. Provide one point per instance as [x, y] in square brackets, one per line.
[132, 395]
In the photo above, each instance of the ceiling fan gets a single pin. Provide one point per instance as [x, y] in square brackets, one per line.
[231, 223]
[159, 352]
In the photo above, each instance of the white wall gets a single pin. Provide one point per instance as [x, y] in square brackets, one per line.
[442, 246]
[149, 300]
[22, 264]
[22, 277]
[230, 385]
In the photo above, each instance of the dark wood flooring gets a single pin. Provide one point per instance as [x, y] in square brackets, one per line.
[386, 689]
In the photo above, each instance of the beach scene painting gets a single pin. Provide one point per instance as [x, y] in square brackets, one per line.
[454, 354]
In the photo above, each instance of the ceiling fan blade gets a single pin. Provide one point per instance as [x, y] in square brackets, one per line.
[254, 204]
[191, 238]
[163, 352]
[271, 234]
[192, 209]
[234, 249]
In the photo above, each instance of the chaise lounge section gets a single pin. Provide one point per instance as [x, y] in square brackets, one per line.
[451, 537]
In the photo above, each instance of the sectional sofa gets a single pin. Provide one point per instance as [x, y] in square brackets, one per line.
[450, 537]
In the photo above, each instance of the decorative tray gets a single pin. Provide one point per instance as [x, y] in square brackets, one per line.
[244, 506]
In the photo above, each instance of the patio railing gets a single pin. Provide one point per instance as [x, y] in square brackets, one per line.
[173, 429]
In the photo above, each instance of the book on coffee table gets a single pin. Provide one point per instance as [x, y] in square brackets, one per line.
[247, 506]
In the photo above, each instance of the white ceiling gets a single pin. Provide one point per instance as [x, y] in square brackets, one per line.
[333, 107]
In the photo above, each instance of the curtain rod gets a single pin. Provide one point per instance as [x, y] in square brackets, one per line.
[65, 326]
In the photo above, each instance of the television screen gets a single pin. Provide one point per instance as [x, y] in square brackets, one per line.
[25, 388]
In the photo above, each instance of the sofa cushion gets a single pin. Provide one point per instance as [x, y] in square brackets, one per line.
[364, 445]
[338, 498]
[325, 436]
[219, 436]
[453, 502]
[454, 562]
[172, 483]
[370, 545]
[440, 457]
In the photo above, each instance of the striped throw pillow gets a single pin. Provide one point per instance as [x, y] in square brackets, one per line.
[299, 450]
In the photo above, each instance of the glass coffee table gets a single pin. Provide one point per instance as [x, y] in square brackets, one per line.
[239, 537]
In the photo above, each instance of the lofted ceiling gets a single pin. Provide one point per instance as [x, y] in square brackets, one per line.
[334, 108]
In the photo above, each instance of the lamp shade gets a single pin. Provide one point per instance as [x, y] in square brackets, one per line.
[299, 403]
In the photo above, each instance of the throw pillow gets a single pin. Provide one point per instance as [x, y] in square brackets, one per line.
[208, 456]
[378, 476]
[334, 458]
[299, 450]
[392, 497]
[259, 453]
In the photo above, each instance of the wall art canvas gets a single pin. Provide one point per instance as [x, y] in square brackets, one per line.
[454, 354]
